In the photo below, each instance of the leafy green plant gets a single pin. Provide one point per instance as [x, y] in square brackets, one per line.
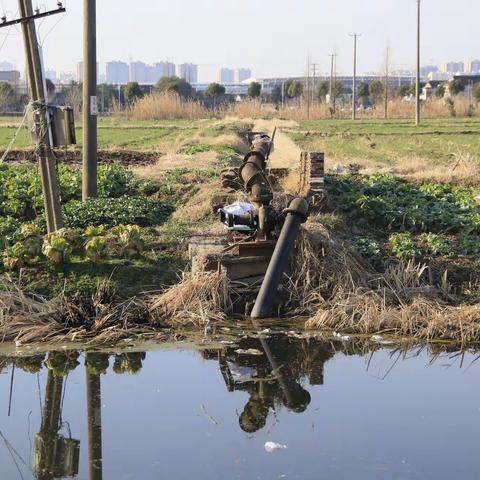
[96, 249]
[403, 246]
[433, 243]
[111, 212]
[470, 245]
[16, 256]
[57, 248]
[128, 240]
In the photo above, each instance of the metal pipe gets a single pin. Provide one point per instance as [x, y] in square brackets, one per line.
[296, 215]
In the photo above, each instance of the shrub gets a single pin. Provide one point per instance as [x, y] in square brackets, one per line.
[111, 212]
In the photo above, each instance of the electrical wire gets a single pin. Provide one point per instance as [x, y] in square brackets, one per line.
[15, 135]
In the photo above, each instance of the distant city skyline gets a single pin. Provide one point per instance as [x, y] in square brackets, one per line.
[212, 34]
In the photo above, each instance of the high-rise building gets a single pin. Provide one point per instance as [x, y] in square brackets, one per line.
[241, 74]
[225, 76]
[472, 66]
[187, 71]
[138, 72]
[453, 67]
[79, 72]
[117, 73]
[428, 69]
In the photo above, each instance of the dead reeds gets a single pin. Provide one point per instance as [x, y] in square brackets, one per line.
[196, 301]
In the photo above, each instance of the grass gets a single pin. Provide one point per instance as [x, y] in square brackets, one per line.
[115, 133]
[390, 142]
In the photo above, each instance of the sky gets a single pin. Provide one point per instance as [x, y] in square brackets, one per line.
[272, 37]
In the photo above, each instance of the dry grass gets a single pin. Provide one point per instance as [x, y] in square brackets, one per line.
[162, 106]
[196, 301]
[25, 318]
[463, 169]
[165, 106]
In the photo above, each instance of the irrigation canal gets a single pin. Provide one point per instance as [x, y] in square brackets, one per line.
[324, 410]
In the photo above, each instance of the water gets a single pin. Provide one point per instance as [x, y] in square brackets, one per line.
[207, 414]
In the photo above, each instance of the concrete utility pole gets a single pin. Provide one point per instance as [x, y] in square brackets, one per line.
[90, 106]
[332, 74]
[417, 83]
[308, 88]
[385, 114]
[314, 79]
[44, 153]
[354, 87]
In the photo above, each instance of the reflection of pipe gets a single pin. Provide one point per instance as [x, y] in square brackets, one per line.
[94, 414]
[276, 371]
[296, 214]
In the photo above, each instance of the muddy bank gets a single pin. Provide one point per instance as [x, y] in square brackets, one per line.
[126, 158]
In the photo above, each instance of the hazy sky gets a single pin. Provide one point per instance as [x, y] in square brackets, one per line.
[272, 37]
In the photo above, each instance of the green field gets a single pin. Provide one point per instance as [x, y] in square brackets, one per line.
[119, 134]
[390, 141]
[342, 141]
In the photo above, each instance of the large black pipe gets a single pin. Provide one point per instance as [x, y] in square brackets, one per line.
[296, 215]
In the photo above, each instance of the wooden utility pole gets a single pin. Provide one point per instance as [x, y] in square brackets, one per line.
[417, 83]
[385, 113]
[354, 86]
[90, 106]
[44, 152]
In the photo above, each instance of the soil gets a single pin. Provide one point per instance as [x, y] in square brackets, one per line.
[125, 158]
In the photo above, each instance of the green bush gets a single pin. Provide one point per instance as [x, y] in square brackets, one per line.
[111, 212]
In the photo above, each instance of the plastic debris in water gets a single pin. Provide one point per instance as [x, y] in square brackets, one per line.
[343, 338]
[270, 447]
[249, 351]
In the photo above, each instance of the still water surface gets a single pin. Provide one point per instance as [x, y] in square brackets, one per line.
[183, 413]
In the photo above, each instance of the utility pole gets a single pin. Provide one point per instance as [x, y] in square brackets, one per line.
[308, 88]
[332, 74]
[354, 86]
[314, 79]
[417, 83]
[386, 83]
[90, 106]
[44, 152]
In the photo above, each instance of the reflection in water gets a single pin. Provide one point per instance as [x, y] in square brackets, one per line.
[55, 455]
[270, 370]
[275, 371]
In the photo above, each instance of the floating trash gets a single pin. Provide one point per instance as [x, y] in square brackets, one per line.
[270, 447]
[248, 351]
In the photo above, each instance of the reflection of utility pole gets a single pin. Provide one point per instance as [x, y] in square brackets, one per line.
[54, 455]
[94, 418]
[354, 84]
[417, 83]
